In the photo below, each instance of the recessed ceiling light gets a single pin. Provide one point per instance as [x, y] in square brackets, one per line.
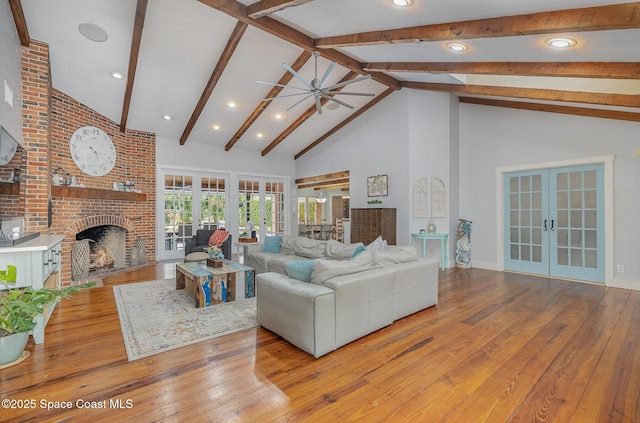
[402, 3]
[278, 115]
[116, 75]
[167, 117]
[457, 47]
[232, 104]
[260, 135]
[561, 42]
[215, 127]
[93, 32]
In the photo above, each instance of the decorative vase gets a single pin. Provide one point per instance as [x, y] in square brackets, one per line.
[431, 227]
[12, 346]
[463, 244]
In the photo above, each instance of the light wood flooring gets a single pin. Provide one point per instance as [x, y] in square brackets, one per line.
[498, 347]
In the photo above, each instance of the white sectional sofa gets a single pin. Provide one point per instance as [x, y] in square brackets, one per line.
[343, 300]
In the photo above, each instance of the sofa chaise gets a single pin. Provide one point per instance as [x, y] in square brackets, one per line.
[339, 301]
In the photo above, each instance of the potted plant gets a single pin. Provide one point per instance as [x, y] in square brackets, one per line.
[19, 308]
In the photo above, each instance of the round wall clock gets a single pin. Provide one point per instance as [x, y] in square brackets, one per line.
[92, 151]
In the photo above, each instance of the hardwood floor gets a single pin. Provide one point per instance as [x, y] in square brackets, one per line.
[499, 347]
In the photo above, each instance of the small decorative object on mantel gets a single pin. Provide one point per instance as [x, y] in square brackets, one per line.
[463, 244]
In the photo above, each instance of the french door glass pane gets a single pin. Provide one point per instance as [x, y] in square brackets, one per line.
[249, 207]
[213, 203]
[525, 218]
[274, 205]
[178, 211]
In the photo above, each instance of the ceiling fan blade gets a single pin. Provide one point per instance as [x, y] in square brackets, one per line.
[347, 93]
[328, 97]
[287, 95]
[351, 81]
[318, 104]
[327, 74]
[281, 85]
[297, 75]
[299, 101]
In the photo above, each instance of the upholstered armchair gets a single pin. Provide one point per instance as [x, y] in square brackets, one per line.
[200, 241]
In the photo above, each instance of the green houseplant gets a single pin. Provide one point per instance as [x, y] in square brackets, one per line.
[19, 308]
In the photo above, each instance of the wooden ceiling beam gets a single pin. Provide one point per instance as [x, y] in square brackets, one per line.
[341, 187]
[266, 7]
[226, 55]
[323, 178]
[599, 18]
[302, 118]
[606, 99]
[138, 25]
[20, 22]
[267, 24]
[286, 77]
[340, 181]
[345, 122]
[554, 108]
[611, 70]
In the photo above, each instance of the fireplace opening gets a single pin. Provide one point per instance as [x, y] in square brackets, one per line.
[107, 247]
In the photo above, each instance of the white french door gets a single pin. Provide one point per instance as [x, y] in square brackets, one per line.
[261, 206]
[555, 222]
[188, 201]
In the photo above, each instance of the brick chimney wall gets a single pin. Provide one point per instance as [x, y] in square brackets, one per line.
[50, 117]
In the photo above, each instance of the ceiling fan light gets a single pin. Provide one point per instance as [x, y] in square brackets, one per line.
[561, 42]
[321, 198]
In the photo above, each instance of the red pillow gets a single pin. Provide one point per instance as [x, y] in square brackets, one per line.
[218, 237]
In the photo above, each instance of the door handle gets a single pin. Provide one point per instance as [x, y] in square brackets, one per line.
[552, 228]
[545, 225]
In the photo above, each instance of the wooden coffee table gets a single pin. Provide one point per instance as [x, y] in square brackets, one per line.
[210, 286]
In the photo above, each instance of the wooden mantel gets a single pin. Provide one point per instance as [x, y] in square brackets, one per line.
[10, 188]
[105, 194]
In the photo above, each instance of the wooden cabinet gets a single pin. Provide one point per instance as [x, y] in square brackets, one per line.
[38, 262]
[368, 224]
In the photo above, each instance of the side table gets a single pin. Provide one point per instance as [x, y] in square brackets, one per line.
[444, 246]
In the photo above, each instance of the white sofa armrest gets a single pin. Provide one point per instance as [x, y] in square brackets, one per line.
[300, 312]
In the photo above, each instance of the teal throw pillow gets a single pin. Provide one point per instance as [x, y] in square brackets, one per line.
[271, 244]
[300, 269]
[358, 250]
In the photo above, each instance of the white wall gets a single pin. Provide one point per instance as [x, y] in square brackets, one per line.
[493, 137]
[406, 136]
[10, 73]
[375, 143]
[204, 157]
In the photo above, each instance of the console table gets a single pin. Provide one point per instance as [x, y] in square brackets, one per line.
[444, 246]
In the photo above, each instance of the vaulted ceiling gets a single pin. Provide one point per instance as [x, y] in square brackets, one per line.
[187, 59]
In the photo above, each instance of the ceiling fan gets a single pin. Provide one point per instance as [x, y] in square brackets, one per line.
[316, 89]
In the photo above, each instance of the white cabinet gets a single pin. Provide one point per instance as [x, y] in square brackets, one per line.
[36, 260]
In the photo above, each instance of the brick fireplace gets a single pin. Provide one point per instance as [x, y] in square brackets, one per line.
[50, 117]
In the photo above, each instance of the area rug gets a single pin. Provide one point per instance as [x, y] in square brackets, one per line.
[155, 317]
